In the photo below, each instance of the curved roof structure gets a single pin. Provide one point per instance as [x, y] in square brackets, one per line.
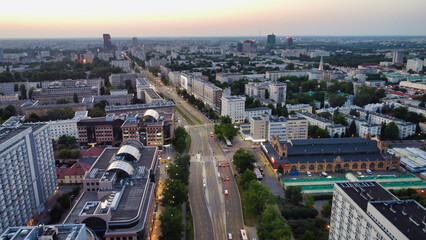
[131, 150]
[135, 143]
[121, 165]
[152, 113]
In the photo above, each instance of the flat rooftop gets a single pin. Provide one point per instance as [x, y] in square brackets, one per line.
[363, 192]
[406, 215]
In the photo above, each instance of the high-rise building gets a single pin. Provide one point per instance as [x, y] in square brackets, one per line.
[289, 41]
[415, 64]
[278, 92]
[107, 41]
[27, 172]
[135, 42]
[248, 45]
[270, 42]
[233, 106]
[365, 210]
[398, 57]
[239, 47]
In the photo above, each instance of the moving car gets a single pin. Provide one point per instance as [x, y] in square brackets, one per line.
[230, 236]
[226, 192]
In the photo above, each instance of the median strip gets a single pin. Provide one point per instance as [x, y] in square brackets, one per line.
[184, 116]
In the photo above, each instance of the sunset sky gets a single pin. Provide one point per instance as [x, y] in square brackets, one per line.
[162, 18]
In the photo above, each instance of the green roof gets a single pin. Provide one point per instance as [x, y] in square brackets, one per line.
[312, 180]
[387, 177]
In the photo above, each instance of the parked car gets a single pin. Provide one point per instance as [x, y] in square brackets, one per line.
[324, 174]
[309, 174]
[359, 173]
[368, 171]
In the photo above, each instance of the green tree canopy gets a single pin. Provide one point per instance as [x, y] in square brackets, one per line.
[272, 225]
[243, 160]
[391, 131]
[175, 193]
[171, 223]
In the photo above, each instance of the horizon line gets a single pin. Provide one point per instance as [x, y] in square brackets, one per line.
[218, 36]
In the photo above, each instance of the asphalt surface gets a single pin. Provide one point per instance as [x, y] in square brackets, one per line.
[214, 214]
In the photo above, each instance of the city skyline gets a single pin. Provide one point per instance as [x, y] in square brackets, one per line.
[49, 19]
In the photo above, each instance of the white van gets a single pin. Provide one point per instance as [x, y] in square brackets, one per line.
[309, 174]
[368, 171]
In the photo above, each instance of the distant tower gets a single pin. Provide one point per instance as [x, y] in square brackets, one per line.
[107, 41]
[270, 42]
[135, 42]
[289, 41]
[321, 65]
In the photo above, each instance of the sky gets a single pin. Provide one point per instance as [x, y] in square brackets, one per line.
[171, 18]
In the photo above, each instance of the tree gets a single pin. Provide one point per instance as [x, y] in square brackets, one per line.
[321, 133]
[280, 169]
[96, 112]
[64, 154]
[15, 87]
[326, 209]
[272, 225]
[34, 118]
[310, 202]
[336, 100]
[266, 94]
[391, 131]
[293, 194]
[175, 172]
[243, 160]
[290, 66]
[23, 91]
[175, 193]
[75, 98]
[352, 131]
[340, 119]
[308, 235]
[30, 93]
[246, 178]
[171, 223]
[179, 141]
[256, 197]
[62, 101]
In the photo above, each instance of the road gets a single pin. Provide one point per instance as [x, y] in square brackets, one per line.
[214, 214]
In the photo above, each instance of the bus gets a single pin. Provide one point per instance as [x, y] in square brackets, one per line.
[244, 234]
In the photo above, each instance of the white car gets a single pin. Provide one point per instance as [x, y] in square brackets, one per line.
[309, 174]
[368, 171]
[324, 174]
[230, 236]
[329, 177]
[359, 173]
[226, 192]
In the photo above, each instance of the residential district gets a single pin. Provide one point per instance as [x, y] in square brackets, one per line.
[274, 137]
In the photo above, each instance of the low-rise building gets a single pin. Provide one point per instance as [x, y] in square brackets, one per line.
[141, 85]
[228, 77]
[150, 96]
[42, 110]
[415, 64]
[406, 129]
[174, 77]
[59, 90]
[117, 80]
[66, 127]
[118, 199]
[256, 89]
[167, 106]
[363, 128]
[299, 108]
[256, 112]
[321, 122]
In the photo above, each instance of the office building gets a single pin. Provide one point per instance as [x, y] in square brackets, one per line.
[49, 232]
[328, 155]
[151, 128]
[103, 131]
[118, 200]
[289, 41]
[135, 42]
[248, 45]
[267, 127]
[415, 64]
[234, 107]
[270, 41]
[365, 210]
[107, 41]
[278, 92]
[27, 172]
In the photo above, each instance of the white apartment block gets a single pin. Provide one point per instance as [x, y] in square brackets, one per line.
[331, 127]
[415, 64]
[363, 127]
[264, 127]
[66, 127]
[256, 112]
[256, 89]
[365, 210]
[278, 92]
[406, 129]
[299, 107]
[27, 172]
[275, 75]
[124, 64]
[234, 107]
[174, 77]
